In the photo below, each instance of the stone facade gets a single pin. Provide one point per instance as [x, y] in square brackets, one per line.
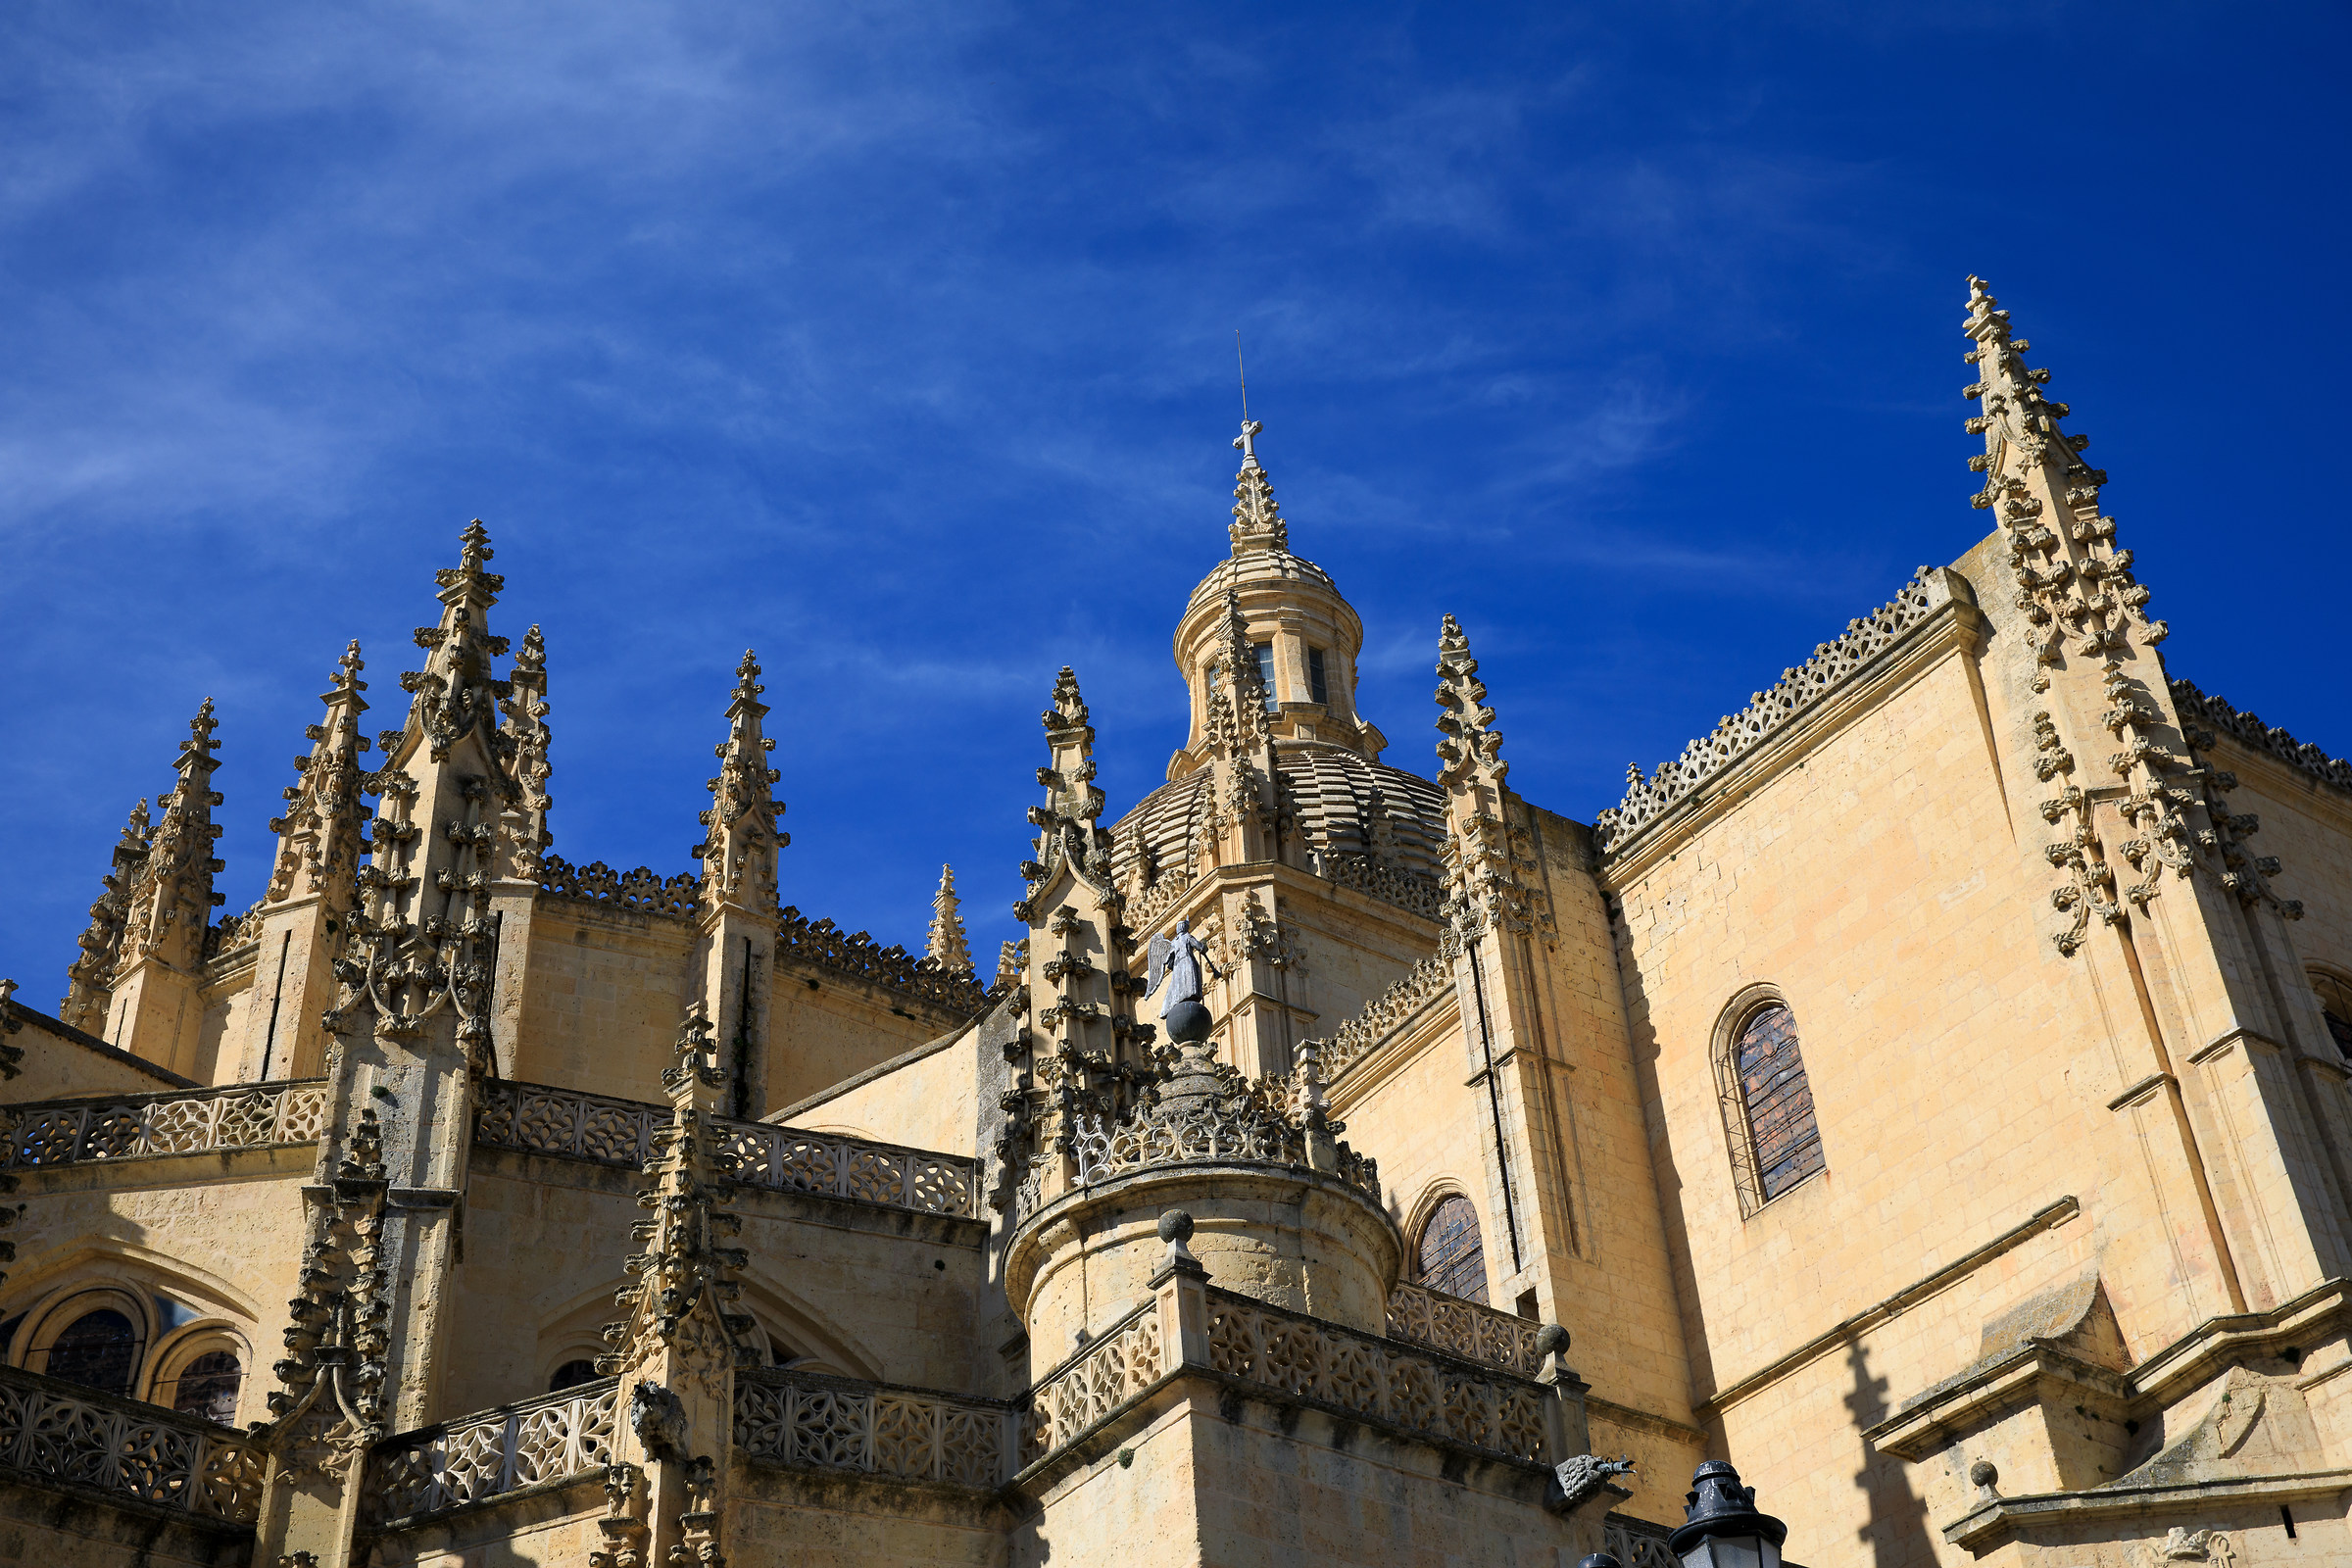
[1928, 1090]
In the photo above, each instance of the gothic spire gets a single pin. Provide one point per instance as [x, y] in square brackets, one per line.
[1469, 745]
[2075, 584]
[1066, 822]
[319, 838]
[90, 978]
[1258, 520]
[526, 724]
[1483, 862]
[949, 950]
[455, 694]
[172, 900]
[741, 839]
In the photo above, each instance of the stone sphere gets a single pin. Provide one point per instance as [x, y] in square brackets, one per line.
[1175, 1226]
[1188, 1022]
[1552, 1339]
[1983, 1473]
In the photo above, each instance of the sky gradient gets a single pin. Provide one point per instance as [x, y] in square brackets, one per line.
[896, 343]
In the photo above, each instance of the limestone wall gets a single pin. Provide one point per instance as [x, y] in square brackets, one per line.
[779, 1516]
[606, 986]
[2308, 826]
[61, 1064]
[63, 1530]
[855, 1289]
[924, 1098]
[553, 1525]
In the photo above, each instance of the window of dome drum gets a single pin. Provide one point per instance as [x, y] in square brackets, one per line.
[208, 1386]
[99, 1350]
[570, 1375]
[1785, 1140]
[1265, 670]
[1451, 1258]
[1319, 689]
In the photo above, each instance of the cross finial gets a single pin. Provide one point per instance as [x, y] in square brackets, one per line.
[1250, 429]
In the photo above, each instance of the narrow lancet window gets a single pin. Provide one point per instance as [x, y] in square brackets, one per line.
[1318, 688]
[1451, 1257]
[1784, 1140]
[1265, 670]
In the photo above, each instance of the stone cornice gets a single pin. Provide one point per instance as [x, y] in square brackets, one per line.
[1877, 654]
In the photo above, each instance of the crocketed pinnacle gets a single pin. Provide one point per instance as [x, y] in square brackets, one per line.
[525, 725]
[90, 978]
[1258, 520]
[171, 901]
[739, 848]
[949, 951]
[319, 834]
[456, 694]
[1468, 743]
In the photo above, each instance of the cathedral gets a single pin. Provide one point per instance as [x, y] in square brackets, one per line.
[1923, 1101]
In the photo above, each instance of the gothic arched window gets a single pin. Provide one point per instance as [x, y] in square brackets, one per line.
[1767, 1103]
[98, 1349]
[1449, 1257]
[2335, 1006]
[208, 1386]
[570, 1375]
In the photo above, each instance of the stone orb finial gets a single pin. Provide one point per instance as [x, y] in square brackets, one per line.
[1984, 1474]
[1176, 1227]
[1188, 1023]
[1551, 1339]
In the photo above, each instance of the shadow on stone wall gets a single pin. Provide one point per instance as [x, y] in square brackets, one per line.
[1897, 1532]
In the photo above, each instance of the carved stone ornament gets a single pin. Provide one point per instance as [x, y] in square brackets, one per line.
[330, 1407]
[319, 839]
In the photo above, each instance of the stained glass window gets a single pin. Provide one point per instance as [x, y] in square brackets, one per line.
[208, 1386]
[1785, 1140]
[99, 1350]
[1451, 1258]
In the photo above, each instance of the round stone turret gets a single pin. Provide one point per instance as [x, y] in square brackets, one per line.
[1261, 1194]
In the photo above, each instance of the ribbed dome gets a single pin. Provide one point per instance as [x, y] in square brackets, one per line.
[1347, 807]
[1260, 567]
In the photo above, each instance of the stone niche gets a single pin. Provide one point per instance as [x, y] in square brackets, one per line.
[1292, 1237]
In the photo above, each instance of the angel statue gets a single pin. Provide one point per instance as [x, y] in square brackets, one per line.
[1178, 961]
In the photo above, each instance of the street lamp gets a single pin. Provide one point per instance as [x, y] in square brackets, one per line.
[1721, 1527]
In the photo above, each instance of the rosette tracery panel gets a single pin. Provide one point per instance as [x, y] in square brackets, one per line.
[469, 1461]
[1336, 1366]
[61, 1433]
[809, 1421]
[170, 1122]
[1128, 1359]
[1470, 1330]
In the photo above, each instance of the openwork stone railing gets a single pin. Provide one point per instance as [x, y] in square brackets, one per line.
[859, 957]
[1126, 1360]
[1797, 690]
[1359, 1034]
[1467, 1329]
[644, 890]
[1637, 1542]
[1419, 894]
[1407, 1387]
[59, 1432]
[619, 1132]
[62, 1131]
[481, 1456]
[814, 1422]
[1108, 1148]
[2247, 730]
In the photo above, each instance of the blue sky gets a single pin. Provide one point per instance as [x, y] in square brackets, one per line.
[897, 342]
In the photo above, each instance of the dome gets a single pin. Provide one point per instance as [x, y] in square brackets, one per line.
[1369, 826]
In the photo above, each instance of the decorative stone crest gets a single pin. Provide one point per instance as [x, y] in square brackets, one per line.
[170, 898]
[330, 1409]
[90, 978]
[1485, 855]
[950, 952]
[524, 833]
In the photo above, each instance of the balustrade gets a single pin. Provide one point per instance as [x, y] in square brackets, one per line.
[61, 1132]
[60, 1432]
[481, 1456]
[619, 1132]
[811, 1421]
[1128, 1359]
[1467, 1329]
